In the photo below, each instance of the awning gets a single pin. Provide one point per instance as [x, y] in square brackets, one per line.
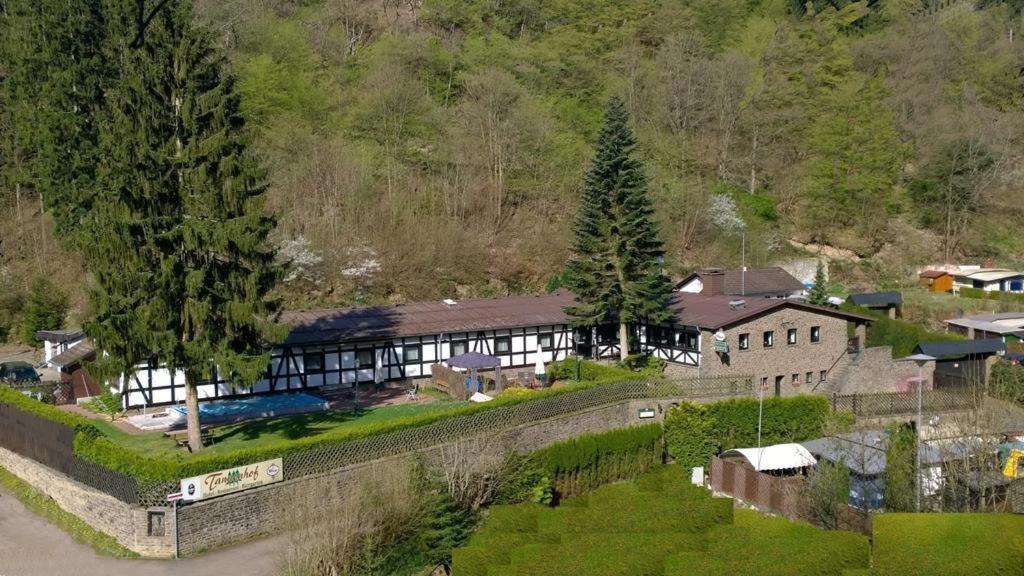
[777, 457]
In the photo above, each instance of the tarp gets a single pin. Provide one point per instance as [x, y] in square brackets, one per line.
[473, 360]
[478, 397]
[777, 457]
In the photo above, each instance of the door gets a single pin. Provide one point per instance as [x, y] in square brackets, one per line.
[778, 385]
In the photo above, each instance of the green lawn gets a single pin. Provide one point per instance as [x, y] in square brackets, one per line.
[931, 308]
[659, 525]
[948, 544]
[257, 433]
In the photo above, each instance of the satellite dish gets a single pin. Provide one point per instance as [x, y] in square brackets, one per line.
[720, 335]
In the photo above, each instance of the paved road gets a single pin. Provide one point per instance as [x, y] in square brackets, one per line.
[31, 546]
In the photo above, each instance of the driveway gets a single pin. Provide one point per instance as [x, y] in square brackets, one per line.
[31, 546]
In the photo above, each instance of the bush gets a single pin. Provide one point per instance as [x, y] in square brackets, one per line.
[689, 435]
[902, 336]
[1007, 382]
[581, 464]
[979, 294]
[693, 433]
[108, 403]
[584, 463]
[900, 463]
[590, 371]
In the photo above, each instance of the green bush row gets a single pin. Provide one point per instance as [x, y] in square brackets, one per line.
[901, 335]
[565, 371]
[581, 464]
[979, 294]
[91, 444]
[694, 433]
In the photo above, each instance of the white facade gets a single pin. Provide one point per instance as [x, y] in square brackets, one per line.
[342, 365]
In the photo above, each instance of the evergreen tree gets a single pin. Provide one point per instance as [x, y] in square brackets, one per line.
[177, 235]
[45, 310]
[819, 291]
[615, 269]
[53, 76]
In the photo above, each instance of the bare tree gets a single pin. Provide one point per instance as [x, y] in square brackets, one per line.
[473, 470]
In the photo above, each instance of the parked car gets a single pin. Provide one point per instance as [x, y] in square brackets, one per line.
[18, 371]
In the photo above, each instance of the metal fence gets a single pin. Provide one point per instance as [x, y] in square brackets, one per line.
[897, 403]
[52, 443]
[334, 456]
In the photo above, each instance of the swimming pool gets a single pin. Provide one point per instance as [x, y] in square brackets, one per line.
[256, 407]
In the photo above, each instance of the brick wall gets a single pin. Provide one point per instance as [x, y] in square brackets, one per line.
[781, 359]
[126, 523]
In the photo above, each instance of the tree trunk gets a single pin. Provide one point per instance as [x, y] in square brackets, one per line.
[195, 436]
[623, 341]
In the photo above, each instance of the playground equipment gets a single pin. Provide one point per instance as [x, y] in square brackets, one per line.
[1011, 455]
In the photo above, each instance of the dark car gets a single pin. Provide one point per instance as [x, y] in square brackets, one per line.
[18, 371]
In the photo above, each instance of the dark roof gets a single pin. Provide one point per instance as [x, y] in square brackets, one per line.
[874, 299]
[933, 274]
[756, 281]
[473, 360]
[74, 355]
[60, 336]
[713, 312]
[959, 348]
[422, 318]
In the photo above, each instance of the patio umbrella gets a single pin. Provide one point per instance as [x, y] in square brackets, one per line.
[473, 361]
[538, 368]
[378, 371]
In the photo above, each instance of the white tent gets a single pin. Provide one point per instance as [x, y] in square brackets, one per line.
[777, 457]
[538, 368]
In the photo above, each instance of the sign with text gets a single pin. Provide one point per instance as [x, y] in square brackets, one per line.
[231, 480]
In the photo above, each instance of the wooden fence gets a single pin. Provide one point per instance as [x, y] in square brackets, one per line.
[782, 495]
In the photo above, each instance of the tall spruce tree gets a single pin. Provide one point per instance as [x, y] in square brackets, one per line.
[177, 235]
[616, 265]
[51, 92]
[819, 291]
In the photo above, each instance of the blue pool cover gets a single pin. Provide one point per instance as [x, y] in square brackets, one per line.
[257, 407]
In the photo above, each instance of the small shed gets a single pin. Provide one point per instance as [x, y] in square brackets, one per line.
[780, 459]
[889, 302]
[936, 281]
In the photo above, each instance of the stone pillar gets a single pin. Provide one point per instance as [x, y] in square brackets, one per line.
[861, 332]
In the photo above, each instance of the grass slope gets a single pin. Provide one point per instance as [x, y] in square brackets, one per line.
[948, 544]
[659, 525]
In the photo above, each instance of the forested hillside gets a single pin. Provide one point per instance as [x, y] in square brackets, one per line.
[428, 148]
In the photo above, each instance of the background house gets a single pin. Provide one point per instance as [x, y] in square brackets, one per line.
[989, 280]
[773, 282]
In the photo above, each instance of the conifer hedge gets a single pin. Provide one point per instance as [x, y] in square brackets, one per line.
[693, 433]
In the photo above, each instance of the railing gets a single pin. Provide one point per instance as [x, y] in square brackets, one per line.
[898, 403]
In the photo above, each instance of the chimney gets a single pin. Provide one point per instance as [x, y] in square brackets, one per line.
[714, 282]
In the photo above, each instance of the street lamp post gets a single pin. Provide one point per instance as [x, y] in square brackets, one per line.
[921, 360]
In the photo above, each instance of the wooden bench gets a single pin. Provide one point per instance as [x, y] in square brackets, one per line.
[180, 437]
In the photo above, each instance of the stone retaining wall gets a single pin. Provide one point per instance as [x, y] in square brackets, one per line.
[128, 524]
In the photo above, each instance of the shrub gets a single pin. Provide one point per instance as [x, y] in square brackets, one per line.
[689, 435]
[590, 371]
[584, 463]
[1007, 382]
[693, 433]
[901, 335]
[108, 403]
[900, 485]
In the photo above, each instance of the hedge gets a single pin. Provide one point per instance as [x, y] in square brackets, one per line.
[584, 463]
[575, 466]
[91, 444]
[694, 433]
[979, 294]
